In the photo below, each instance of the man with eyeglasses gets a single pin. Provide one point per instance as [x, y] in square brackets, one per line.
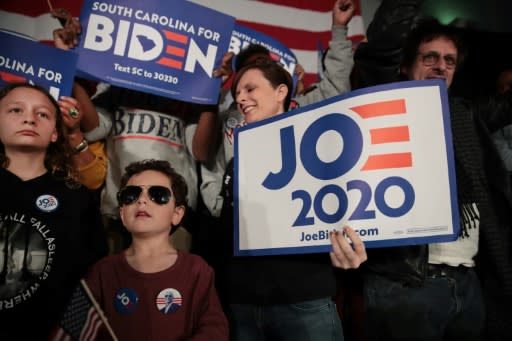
[460, 290]
[432, 51]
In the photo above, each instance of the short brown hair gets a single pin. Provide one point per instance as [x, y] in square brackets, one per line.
[273, 72]
[178, 184]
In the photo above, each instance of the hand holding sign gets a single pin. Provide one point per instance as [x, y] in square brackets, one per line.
[67, 36]
[71, 113]
[346, 255]
[225, 70]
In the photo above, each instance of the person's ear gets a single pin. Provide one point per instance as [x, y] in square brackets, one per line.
[403, 71]
[177, 215]
[121, 215]
[55, 136]
[281, 92]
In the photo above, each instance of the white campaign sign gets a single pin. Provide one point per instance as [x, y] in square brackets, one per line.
[378, 159]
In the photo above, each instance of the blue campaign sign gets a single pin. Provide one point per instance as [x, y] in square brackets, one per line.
[24, 60]
[243, 36]
[378, 159]
[166, 48]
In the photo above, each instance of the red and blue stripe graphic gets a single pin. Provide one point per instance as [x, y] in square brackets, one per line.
[384, 135]
[11, 78]
[174, 51]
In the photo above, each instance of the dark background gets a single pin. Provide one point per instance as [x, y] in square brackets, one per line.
[486, 26]
[487, 15]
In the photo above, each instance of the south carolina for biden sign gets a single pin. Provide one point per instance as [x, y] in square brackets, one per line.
[378, 159]
[167, 48]
[24, 60]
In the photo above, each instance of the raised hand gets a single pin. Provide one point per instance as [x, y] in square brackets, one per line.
[71, 113]
[342, 12]
[224, 70]
[66, 37]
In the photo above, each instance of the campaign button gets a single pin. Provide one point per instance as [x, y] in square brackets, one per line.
[232, 122]
[168, 300]
[47, 203]
[125, 301]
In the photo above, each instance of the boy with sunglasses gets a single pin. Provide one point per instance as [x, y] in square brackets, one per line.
[151, 291]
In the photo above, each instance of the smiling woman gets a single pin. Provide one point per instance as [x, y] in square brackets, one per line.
[262, 91]
[266, 286]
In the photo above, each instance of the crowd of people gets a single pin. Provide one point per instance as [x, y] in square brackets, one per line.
[148, 221]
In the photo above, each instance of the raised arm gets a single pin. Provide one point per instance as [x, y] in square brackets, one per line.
[339, 58]
[206, 133]
[79, 113]
[377, 60]
[67, 36]
[90, 161]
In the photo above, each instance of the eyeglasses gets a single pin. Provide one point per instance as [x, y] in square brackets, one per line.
[432, 58]
[158, 194]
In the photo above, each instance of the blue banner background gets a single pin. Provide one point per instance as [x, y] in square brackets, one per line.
[118, 35]
[24, 60]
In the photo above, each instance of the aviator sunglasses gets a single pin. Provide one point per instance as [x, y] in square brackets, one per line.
[158, 194]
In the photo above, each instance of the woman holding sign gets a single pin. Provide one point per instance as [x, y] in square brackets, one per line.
[50, 228]
[279, 297]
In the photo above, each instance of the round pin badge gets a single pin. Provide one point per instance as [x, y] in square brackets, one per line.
[47, 203]
[232, 122]
[126, 301]
[168, 300]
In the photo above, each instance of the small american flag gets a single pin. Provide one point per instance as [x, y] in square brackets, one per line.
[81, 319]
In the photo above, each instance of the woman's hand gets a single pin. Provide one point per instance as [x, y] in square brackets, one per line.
[348, 251]
[71, 113]
[66, 37]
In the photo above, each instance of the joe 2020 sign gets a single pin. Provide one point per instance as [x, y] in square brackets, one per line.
[378, 159]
